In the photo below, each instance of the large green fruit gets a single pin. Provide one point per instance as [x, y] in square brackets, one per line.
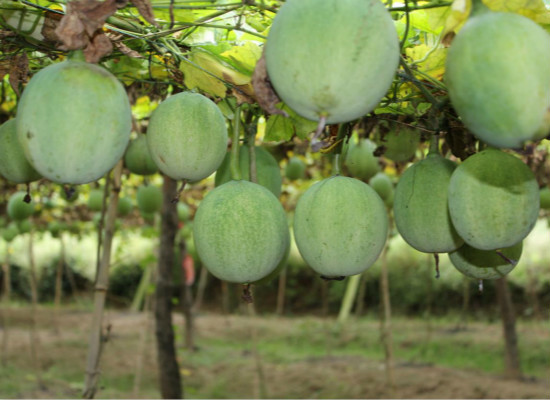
[240, 232]
[493, 200]
[13, 163]
[268, 171]
[295, 169]
[399, 144]
[332, 58]
[149, 199]
[74, 121]
[360, 161]
[340, 226]
[187, 136]
[498, 77]
[137, 158]
[485, 264]
[383, 185]
[420, 206]
[17, 208]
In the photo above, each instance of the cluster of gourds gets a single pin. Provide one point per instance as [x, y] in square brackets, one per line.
[331, 61]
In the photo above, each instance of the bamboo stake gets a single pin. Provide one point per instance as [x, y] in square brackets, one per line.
[349, 297]
[97, 339]
[6, 297]
[385, 326]
[59, 282]
[34, 306]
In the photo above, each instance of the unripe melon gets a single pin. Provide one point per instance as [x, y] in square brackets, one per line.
[545, 198]
[13, 163]
[240, 232]
[332, 58]
[340, 226]
[360, 161]
[295, 169]
[498, 78]
[95, 200]
[400, 144]
[137, 158]
[187, 136]
[56, 228]
[17, 208]
[383, 185]
[124, 206]
[420, 206]
[149, 199]
[24, 226]
[74, 121]
[493, 200]
[268, 171]
[70, 193]
[485, 264]
[10, 232]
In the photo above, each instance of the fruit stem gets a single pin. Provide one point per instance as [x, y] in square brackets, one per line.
[234, 162]
[251, 136]
[76, 55]
[342, 131]
[434, 144]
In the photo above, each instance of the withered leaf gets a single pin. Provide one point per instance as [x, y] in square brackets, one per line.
[51, 22]
[115, 39]
[99, 46]
[146, 10]
[263, 90]
[19, 71]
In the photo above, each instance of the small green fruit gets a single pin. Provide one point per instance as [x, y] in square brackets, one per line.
[137, 158]
[149, 199]
[399, 144]
[184, 212]
[10, 232]
[545, 198]
[383, 185]
[360, 161]
[95, 200]
[18, 209]
[124, 206]
[295, 169]
[13, 163]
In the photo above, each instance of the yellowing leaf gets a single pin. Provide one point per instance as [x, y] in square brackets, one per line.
[431, 61]
[534, 9]
[244, 57]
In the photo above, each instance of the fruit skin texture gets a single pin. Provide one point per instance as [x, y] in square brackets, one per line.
[483, 264]
[13, 164]
[240, 232]
[268, 171]
[295, 169]
[187, 136]
[360, 161]
[74, 122]
[17, 209]
[498, 78]
[420, 206]
[493, 200]
[400, 144]
[340, 226]
[332, 57]
[137, 158]
[149, 199]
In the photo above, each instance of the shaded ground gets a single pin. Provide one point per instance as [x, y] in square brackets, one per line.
[298, 358]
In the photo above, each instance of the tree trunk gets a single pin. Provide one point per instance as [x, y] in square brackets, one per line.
[97, 338]
[203, 280]
[225, 297]
[141, 292]
[281, 290]
[6, 301]
[513, 368]
[144, 339]
[386, 330]
[186, 301]
[532, 294]
[360, 301]
[59, 282]
[34, 340]
[169, 373]
[349, 297]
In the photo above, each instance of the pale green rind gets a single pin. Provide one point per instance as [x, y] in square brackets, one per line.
[333, 57]
[493, 200]
[149, 199]
[360, 161]
[382, 184]
[137, 158]
[268, 171]
[74, 122]
[420, 206]
[483, 264]
[498, 78]
[187, 136]
[400, 144]
[17, 209]
[340, 226]
[240, 232]
[13, 163]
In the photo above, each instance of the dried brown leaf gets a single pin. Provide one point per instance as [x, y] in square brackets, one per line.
[19, 72]
[51, 22]
[146, 10]
[99, 46]
[126, 50]
[263, 90]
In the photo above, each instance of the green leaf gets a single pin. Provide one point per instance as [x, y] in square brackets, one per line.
[280, 127]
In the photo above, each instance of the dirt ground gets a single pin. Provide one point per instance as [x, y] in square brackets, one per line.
[131, 350]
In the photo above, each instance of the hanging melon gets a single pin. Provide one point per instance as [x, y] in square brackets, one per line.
[13, 163]
[137, 158]
[187, 136]
[74, 121]
[486, 264]
[498, 78]
[340, 226]
[18, 209]
[332, 59]
[360, 160]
